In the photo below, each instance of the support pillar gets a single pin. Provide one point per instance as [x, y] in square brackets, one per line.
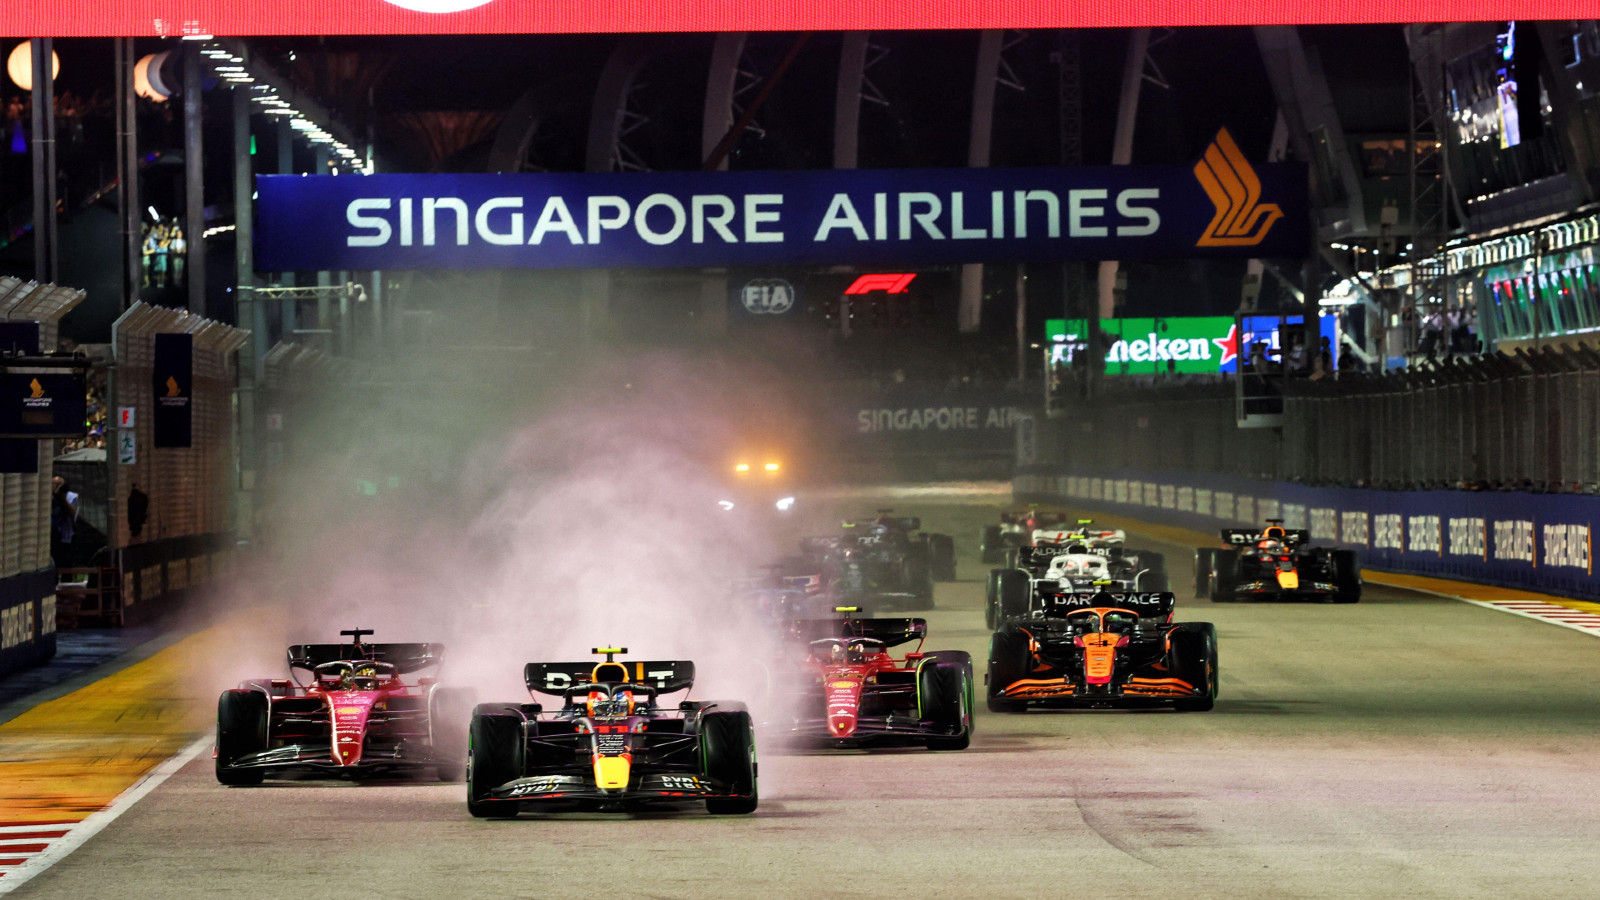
[194, 199]
[45, 248]
[128, 175]
[252, 351]
[990, 43]
[1122, 145]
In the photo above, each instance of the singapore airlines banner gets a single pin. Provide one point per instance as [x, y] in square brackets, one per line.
[899, 217]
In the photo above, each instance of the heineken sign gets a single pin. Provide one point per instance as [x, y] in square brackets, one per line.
[1196, 345]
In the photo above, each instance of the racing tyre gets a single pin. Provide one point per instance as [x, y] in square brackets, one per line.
[942, 557]
[728, 755]
[1010, 660]
[494, 757]
[449, 713]
[991, 599]
[1012, 558]
[1224, 575]
[1011, 597]
[989, 545]
[1155, 576]
[944, 697]
[1194, 653]
[1346, 576]
[241, 731]
[1203, 561]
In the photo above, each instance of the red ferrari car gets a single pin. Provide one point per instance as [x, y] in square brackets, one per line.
[360, 712]
[850, 691]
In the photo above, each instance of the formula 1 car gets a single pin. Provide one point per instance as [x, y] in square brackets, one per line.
[1275, 563]
[1046, 569]
[881, 564]
[611, 745]
[358, 715]
[850, 692]
[1016, 529]
[790, 589]
[1107, 649]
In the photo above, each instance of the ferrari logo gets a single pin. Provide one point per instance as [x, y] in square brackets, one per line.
[172, 385]
[38, 389]
[1235, 190]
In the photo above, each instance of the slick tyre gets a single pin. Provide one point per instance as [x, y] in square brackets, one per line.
[494, 757]
[991, 599]
[1346, 576]
[449, 714]
[944, 698]
[241, 730]
[989, 545]
[1194, 653]
[1202, 571]
[942, 557]
[1224, 575]
[1010, 660]
[728, 755]
[1012, 595]
[1155, 575]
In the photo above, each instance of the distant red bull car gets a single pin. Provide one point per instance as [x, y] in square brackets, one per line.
[364, 709]
[852, 692]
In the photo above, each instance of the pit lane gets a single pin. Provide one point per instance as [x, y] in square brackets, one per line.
[1409, 745]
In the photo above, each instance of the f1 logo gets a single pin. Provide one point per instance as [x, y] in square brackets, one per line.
[889, 284]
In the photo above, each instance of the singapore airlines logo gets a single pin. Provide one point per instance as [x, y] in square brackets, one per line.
[1242, 220]
[172, 387]
[38, 389]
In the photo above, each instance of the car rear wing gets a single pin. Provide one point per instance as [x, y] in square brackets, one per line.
[1039, 518]
[817, 546]
[1147, 604]
[891, 632]
[1240, 536]
[556, 678]
[406, 658]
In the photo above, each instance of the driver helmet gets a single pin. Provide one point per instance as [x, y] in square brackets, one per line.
[362, 676]
[1270, 545]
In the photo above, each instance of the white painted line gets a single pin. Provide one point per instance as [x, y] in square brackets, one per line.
[1564, 616]
[81, 832]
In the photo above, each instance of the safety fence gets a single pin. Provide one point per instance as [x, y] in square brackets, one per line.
[27, 575]
[1524, 421]
[177, 533]
[1515, 539]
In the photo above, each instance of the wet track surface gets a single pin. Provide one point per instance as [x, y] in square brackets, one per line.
[1406, 746]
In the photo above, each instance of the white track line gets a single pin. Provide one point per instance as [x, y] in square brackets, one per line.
[1564, 616]
[79, 832]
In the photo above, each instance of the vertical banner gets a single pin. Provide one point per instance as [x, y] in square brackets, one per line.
[19, 457]
[173, 385]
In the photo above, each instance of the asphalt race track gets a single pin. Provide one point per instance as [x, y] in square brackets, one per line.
[1408, 746]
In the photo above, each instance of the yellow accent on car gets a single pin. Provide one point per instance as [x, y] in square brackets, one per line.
[845, 609]
[1288, 580]
[611, 772]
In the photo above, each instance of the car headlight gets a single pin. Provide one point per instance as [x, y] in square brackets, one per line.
[725, 504]
[786, 504]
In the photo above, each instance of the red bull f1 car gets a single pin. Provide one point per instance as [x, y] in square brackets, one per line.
[363, 710]
[1275, 563]
[1102, 650]
[851, 692]
[611, 744]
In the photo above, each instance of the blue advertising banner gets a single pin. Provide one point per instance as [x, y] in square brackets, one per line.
[1221, 206]
[172, 382]
[1536, 541]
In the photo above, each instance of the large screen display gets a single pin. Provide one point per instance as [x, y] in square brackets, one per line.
[172, 18]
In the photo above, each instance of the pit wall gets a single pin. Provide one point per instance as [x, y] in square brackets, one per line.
[1540, 542]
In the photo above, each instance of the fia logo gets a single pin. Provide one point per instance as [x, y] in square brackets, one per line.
[1241, 220]
[767, 296]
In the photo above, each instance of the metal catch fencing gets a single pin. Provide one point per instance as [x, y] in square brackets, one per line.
[1525, 421]
[189, 488]
[25, 499]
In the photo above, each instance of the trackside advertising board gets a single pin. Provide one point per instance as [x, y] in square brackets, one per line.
[1193, 345]
[170, 18]
[1536, 541]
[885, 217]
